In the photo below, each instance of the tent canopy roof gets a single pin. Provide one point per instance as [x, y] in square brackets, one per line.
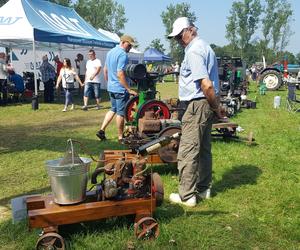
[153, 55]
[49, 24]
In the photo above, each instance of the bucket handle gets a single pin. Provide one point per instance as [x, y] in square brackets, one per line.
[72, 149]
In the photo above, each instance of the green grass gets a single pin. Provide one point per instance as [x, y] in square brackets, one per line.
[256, 198]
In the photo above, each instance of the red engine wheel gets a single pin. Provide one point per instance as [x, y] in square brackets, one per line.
[160, 109]
[131, 108]
[146, 229]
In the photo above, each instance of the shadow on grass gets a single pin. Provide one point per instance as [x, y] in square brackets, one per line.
[22, 138]
[237, 176]
[6, 200]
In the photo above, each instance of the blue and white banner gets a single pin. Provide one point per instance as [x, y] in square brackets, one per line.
[44, 21]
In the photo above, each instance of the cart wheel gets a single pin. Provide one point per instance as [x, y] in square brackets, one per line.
[50, 241]
[131, 108]
[160, 109]
[146, 229]
[158, 189]
[168, 153]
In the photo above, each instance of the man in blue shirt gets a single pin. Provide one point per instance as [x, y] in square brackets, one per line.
[199, 88]
[17, 80]
[117, 85]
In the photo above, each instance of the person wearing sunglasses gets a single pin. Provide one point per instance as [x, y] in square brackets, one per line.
[199, 89]
[117, 85]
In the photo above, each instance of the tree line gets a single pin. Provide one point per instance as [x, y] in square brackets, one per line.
[254, 28]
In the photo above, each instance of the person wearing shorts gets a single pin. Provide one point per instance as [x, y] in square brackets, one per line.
[92, 80]
[117, 85]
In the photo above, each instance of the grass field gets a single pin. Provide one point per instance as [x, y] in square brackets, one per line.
[256, 189]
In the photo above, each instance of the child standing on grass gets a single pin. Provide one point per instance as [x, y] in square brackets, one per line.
[67, 76]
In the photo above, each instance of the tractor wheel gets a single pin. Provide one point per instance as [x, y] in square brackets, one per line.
[272, 79]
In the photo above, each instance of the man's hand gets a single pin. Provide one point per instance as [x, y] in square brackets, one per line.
[132, 92]
[220, 112]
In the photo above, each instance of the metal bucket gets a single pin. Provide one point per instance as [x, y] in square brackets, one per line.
[68, 182]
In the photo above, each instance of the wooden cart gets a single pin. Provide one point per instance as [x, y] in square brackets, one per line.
[44, 213]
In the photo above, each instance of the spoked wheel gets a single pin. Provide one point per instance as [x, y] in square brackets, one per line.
[158, 189]
[146, 229]
[168, 153]
[161, 110]
[131, 108]
[50, 241]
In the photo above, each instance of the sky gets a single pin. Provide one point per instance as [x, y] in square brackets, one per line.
[145, 24]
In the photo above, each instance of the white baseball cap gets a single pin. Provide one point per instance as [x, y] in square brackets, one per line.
[179, 24]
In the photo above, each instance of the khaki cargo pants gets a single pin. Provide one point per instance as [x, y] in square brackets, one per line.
[194, 155]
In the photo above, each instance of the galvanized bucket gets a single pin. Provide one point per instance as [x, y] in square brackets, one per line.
[68, 181]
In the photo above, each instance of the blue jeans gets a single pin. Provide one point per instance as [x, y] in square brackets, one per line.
[118, 102]
[92, 86]
[69, 98]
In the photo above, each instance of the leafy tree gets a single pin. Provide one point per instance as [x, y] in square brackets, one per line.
[242, 24]
[156, 43]
[168, 17]
[298, 58]
[267, 23]
[67, 3]
[290, 57]
[105, 14]
[276, 25]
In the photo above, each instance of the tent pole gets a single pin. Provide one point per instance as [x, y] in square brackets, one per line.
[11, 57]
[34, 69]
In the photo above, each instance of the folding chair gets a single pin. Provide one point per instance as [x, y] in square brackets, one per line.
[293, 102]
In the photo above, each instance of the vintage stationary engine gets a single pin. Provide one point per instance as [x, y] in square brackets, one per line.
[130, 178]
[123, 179]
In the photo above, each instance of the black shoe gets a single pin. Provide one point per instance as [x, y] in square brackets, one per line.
[101, 135]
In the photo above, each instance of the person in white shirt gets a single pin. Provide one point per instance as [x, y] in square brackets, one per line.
[67, 76]
[92, 79]
[176, 68]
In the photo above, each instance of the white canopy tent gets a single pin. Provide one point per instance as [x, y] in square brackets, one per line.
[134, 55]
[32, 24]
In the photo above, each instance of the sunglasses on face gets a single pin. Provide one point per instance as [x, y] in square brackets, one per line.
[180, 35]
